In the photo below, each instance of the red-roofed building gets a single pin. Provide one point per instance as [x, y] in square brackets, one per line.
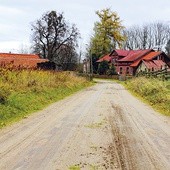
[127, 62]
[120, 53]
[107, 58]
[154, 61]
[20, 60]
[123, 64]
[151, 65]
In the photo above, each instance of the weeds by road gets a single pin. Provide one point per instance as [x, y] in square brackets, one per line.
[154, 91]
[25, 91]
[101, 127]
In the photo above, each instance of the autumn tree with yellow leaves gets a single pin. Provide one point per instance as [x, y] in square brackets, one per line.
[107, 33]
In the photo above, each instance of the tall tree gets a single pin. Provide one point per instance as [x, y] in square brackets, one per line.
[52, 34]
[67, 58]
[107, 33]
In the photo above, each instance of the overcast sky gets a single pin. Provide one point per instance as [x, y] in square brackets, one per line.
[16, 16]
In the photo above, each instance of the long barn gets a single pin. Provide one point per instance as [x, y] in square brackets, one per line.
[20, 60]
[128, 62]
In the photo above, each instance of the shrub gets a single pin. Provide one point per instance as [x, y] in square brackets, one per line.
[4, 94]
[111, 70]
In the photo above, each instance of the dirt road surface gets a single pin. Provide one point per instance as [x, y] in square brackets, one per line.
[102, 127]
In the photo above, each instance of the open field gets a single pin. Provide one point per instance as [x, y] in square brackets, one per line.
[26, 91]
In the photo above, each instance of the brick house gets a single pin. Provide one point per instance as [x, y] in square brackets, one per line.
[127, 62]
[124, 65]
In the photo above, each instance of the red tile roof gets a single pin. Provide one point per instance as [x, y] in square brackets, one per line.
[105, 58]
[12, 55]
[135, 55]
[20, 60]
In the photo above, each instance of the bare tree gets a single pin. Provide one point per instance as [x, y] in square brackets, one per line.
[168, 48]
[147, 36]
[67, 58]
[52, 34]
[132, 38]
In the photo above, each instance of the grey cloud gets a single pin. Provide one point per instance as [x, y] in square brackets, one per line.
[16, 16]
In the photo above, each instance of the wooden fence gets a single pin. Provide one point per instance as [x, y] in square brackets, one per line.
[161, 74]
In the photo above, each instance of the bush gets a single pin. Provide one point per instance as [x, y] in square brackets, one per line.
[111, 70]
[4, 94]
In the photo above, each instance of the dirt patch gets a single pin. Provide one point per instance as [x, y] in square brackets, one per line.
[120, 149]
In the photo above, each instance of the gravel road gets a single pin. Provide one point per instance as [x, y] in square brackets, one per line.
[101, 127]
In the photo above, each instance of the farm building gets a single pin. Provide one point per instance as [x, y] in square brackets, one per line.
[152, 65]
[153, 61]
[20, 60]
[129, 62]
[107, 58]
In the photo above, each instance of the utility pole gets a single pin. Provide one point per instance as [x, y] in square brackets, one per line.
[91, 66]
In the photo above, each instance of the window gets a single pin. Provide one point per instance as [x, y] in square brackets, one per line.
[120, 70]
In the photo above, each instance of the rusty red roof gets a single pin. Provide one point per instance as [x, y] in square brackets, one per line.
[149, 64]
[159, 63]
[136, 63]
[105, 58]
[12, 55]
[120, 52]
[20, 60]
[135, 55]
[154, 64]
[151, 55]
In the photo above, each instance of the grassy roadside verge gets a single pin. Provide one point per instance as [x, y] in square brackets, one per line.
[24, 92]
[153, 91]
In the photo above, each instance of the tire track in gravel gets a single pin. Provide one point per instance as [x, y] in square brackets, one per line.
[135, 120]
[102, 127]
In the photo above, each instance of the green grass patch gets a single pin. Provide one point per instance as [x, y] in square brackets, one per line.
[74, 167]
[24, 92]
[153, 91]
[96, 125]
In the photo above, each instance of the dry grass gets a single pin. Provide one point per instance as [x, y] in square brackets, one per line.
[154, 91]
[25, 91]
